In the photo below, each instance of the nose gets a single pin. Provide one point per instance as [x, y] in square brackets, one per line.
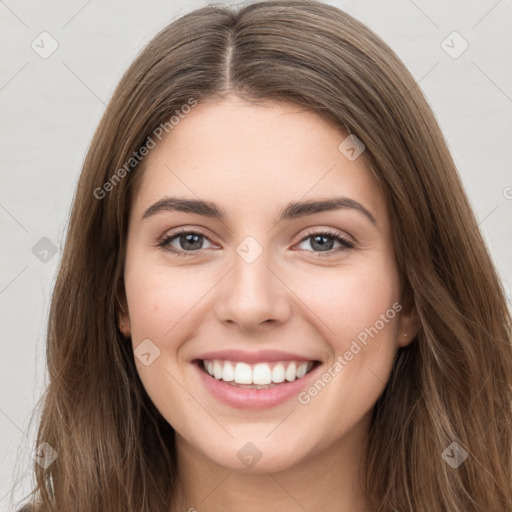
[253, 294]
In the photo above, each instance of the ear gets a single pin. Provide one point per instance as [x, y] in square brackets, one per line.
[409, 323]
[122, 313]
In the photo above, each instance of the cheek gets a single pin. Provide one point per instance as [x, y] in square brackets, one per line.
[162, 305]
[357, 311]
[161, 300]
[347, 300]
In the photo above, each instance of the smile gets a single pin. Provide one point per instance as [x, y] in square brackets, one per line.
[257, 384]
[263, 375]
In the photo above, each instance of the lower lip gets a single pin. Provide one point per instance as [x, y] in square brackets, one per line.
[246, 398]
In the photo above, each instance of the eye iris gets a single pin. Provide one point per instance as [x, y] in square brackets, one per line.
[323, 245]
[191, 239]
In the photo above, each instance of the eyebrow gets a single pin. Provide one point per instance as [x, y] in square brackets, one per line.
[292, 210]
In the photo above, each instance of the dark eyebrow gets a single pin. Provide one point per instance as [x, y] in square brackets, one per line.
[196, 206]
[293, 210]
[301, 209]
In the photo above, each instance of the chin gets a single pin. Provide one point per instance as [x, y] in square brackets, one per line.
[268, 463]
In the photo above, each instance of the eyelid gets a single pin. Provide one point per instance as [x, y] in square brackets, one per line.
[336, 233]
[186, 230]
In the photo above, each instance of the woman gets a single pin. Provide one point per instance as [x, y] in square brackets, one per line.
[274, 294]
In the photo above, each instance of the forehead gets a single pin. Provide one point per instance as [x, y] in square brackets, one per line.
[232, 151]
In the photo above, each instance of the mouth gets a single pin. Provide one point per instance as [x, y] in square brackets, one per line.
[262, 375]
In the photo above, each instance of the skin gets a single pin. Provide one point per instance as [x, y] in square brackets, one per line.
[252, 160]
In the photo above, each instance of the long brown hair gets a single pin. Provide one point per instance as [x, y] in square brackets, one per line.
[452, 384]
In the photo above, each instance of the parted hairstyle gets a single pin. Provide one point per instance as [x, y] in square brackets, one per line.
[453, 383]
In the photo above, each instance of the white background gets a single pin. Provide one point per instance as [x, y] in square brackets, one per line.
[51, 107]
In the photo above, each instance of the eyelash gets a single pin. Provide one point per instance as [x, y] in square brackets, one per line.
[346, 244]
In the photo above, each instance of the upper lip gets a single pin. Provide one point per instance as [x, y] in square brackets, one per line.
[260, 356]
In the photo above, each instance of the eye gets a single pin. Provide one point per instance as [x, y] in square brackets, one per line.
[183, 242]
[189, 243]
[324, 241]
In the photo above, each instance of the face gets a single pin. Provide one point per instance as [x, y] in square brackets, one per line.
[256, 290]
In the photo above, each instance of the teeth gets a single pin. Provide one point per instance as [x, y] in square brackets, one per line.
[301, 370]
[261, 375]
[228, 373]
[278, 373]
[217, 370]
[243, 373]
[291, 372]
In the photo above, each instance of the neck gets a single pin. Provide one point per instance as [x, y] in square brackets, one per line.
[328, 480]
